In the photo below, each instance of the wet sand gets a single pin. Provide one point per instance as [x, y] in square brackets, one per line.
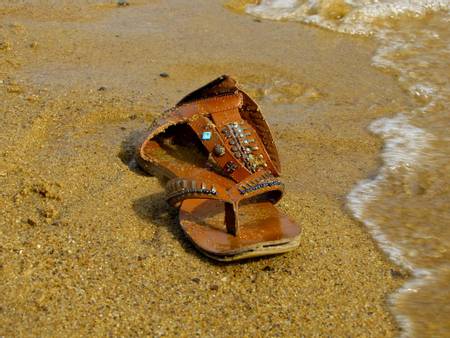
[88, 245]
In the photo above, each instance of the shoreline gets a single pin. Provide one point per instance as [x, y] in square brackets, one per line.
[128, 263]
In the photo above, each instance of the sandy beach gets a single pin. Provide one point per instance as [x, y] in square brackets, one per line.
[88, 245]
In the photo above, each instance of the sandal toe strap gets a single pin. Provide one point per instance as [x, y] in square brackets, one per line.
[180, 189]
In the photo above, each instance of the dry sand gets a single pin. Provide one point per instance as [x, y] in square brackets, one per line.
[88, 245]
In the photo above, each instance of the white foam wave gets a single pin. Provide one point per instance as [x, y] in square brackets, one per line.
[404, 143]
[347, 16]
[422, 278]
[404, 146]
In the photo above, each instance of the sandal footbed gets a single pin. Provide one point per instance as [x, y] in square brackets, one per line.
[263, 228]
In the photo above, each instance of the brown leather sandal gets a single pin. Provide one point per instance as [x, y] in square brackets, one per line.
[217, 151]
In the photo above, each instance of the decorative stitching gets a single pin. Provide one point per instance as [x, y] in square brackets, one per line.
[258, 186]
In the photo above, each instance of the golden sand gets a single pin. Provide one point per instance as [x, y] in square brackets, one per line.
[88, 245]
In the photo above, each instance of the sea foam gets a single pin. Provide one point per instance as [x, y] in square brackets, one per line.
[351, 16]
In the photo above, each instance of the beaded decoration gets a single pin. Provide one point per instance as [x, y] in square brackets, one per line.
[243, 147]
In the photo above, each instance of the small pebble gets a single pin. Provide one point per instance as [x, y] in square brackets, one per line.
[196, 280]
[163, 74]
[396, 274]
[122, 3]
[101, 89]
[214, 287]
[31, 221]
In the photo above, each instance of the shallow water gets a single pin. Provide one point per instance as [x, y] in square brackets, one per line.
[406, 205]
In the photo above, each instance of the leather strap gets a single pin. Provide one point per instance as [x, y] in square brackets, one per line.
[220, 151]
[237, 148]
[180, 189]
[222, 101]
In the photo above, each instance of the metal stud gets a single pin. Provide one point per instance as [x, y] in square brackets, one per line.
[219, 150]
[230, 167]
